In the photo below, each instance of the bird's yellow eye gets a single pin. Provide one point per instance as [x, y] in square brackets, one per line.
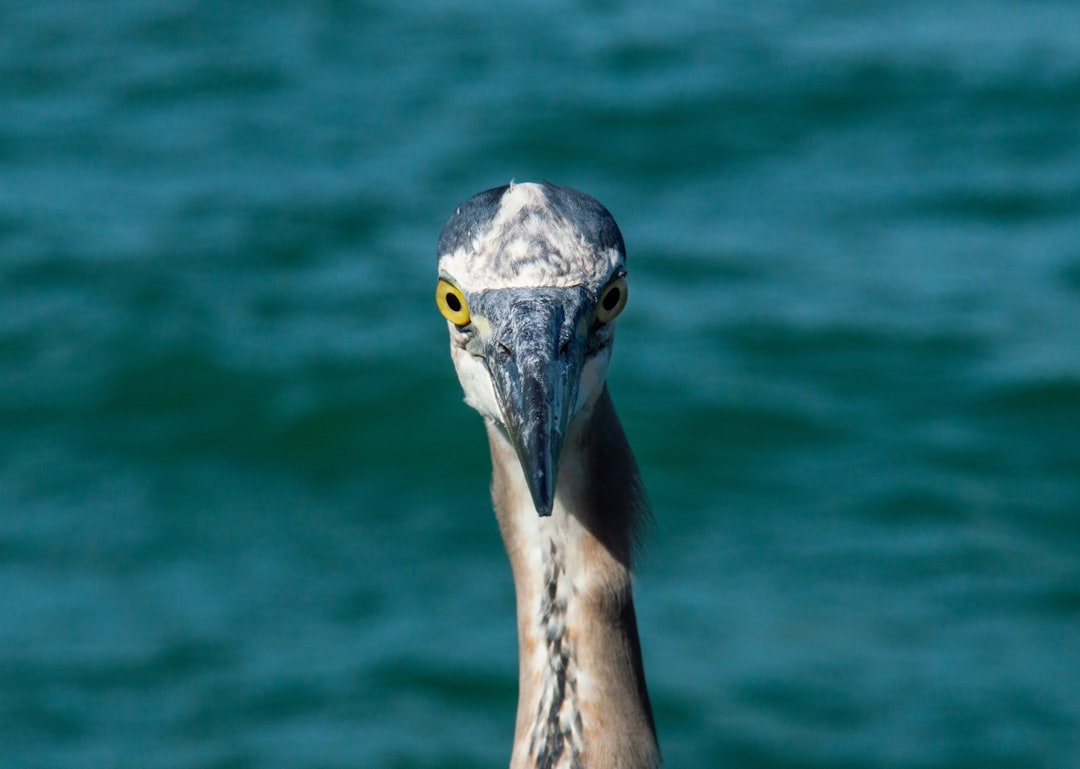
[452, 303]
[612, 301]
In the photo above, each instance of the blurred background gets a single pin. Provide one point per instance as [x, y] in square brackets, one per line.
[244, 514]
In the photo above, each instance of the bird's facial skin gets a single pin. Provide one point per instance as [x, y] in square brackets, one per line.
[530, 359]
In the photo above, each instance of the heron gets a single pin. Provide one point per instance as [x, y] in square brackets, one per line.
[531, 279]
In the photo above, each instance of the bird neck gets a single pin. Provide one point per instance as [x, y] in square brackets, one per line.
[582, 701]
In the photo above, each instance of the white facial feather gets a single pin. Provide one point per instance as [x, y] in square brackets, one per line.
[475, 379]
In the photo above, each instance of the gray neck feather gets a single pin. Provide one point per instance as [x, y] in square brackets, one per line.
[582, 697]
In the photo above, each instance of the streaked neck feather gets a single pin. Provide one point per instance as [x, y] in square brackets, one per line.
[582, 698]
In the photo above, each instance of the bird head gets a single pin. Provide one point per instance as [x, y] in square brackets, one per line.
[531, 278]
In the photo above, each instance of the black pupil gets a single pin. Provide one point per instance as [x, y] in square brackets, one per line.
[453, 303]
[611, 299]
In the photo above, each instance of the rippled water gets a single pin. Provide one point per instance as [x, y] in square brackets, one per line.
[243, 513]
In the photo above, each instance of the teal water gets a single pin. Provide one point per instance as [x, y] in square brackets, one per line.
[243, 512]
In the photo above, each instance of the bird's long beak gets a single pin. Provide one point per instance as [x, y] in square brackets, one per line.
[535, 355]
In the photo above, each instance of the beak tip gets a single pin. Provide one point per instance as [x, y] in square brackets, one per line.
[543, 501]
[539, 455]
